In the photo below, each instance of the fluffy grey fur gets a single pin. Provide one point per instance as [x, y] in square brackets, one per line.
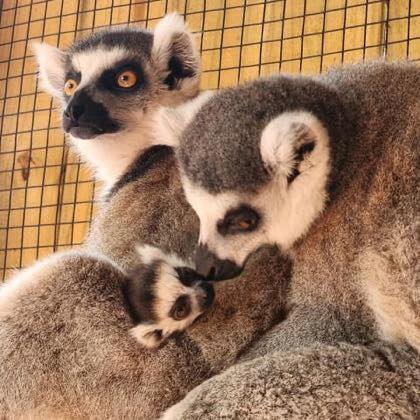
[226, 155]
[149, 207]
[66, 352]
[355, 273]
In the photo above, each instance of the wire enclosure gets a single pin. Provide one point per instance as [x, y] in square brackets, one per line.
[47, 197]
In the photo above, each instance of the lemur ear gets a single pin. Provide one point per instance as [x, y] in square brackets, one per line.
[176, 56]
[289, 140]
[170, 122]
[149, 335]
[52, 68]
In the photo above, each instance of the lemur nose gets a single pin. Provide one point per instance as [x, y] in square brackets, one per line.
[213, 268]
[74, 112]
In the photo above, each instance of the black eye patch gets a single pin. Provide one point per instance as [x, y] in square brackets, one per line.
[107, 81]
[181, 308]
[239, 220]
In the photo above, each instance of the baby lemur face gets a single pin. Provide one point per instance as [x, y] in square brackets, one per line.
[109, 80]
[164, 296]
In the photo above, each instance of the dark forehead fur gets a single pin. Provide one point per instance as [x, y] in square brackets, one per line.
[220, 148]
[132, 39]
[139, 292]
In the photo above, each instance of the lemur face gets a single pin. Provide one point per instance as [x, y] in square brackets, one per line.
[164, 296]
[110, 80]
[254, 164]
[234, 224]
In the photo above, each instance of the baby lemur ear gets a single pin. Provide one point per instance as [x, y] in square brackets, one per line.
[51, 68]
[290, 140]
[176, 57]
[149, 335]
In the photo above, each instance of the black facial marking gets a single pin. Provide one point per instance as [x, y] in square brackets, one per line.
[187, 276]
[181, 308]
[107, 81]
[139, 293]
[86, 119]
[239, 220]
[177, 71]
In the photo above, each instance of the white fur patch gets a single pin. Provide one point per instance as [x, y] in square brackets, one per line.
[51, 66]
[278, 140]
[92, 63]
[171, 24]
[149, 254]
[170, 122]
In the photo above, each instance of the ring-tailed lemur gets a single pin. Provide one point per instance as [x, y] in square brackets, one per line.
[111, 83]
[65, 351]
[327, 169]
[164, 296]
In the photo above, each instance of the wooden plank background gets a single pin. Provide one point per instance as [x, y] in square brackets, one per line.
[47, 195]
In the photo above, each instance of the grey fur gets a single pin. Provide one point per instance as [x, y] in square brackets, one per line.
[66, 352]
[226, 155]
[356, 272]
[345, 381]
[152, 209]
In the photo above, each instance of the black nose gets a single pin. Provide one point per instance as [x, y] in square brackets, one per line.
[74, 111]
[207, 298]
[213, 268]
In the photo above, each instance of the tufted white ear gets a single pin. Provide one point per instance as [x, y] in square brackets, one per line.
[149, 335]
[51, 65]
[289, 139]
[176, 57]
[170, 122]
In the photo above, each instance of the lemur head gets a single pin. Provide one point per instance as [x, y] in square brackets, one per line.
[164, 296]
[108, 81]
[254, 162]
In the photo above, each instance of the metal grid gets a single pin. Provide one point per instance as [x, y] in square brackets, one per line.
[47, 195]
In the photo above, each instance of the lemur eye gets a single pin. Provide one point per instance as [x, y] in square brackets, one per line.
[70, 86]
[241, 219]
[126, 79]
[181, 308]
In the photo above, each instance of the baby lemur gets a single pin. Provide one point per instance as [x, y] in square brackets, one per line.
[164, 296]
[65, 351]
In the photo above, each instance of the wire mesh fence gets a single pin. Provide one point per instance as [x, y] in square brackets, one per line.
[47, 197]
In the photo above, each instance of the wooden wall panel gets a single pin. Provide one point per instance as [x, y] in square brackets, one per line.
[47, 195]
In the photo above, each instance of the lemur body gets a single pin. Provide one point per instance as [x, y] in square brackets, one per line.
[111, 85]
[325, 168]
[65, 348]
[147, 205]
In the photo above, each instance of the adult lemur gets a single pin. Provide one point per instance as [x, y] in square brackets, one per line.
[95, 367]
[111, 84]
[327, 169]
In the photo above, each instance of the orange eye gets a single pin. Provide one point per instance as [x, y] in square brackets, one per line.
[126, 79]
[181, 313]
[70, 86]
[243, 224]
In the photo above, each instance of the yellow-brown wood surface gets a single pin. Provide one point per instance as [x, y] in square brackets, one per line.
[46, 195]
